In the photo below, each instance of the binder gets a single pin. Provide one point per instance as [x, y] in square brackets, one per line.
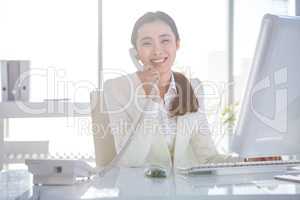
[15, 80]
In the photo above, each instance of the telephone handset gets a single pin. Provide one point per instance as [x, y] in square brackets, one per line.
[134, 58]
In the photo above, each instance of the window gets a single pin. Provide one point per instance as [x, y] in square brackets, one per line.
[60, 38]
[67, 136]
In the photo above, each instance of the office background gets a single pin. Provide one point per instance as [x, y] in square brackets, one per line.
[75, 45]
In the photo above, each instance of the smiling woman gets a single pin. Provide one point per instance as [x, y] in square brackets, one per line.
[156, 39]
[172, 128]
[157, 47]
[156, 42]
[202, 47]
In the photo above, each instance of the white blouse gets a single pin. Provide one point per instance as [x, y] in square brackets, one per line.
[168, 123]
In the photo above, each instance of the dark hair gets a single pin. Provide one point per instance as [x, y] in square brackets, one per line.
[151, 17]
[185, 101]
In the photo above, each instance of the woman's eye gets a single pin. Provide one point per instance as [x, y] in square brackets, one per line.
[165, 41]
[146, 43]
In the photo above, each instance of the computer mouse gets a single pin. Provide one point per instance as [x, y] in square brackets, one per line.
[155, 172]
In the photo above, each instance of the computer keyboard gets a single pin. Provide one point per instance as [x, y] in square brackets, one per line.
[241, 167]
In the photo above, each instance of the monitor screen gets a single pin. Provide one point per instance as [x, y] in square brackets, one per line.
[269, 122]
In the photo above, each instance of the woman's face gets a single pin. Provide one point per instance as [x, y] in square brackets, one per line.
[156, 46]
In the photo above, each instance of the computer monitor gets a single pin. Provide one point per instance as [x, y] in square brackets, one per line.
[269, 122]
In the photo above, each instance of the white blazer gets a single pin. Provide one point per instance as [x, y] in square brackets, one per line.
[125, 101]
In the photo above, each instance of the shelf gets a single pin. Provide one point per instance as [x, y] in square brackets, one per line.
[20, 109]
[18, 151]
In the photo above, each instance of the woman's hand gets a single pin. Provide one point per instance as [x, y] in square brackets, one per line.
[149, 78]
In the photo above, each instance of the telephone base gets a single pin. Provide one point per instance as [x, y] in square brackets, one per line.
[54, 180]
[59, 172]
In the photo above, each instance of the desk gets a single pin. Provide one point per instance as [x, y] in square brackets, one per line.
[130, 183]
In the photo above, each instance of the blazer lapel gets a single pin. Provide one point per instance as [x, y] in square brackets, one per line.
[186, 127]
[137, 97]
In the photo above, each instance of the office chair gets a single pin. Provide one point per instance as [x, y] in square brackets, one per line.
[103, 139]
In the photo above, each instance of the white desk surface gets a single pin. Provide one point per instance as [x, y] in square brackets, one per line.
[130, 183]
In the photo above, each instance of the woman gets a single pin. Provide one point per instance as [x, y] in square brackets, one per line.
[161, 108]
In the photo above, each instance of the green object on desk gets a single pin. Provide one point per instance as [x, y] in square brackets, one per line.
[155, 172]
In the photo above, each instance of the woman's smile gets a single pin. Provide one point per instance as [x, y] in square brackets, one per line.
[158, 61]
